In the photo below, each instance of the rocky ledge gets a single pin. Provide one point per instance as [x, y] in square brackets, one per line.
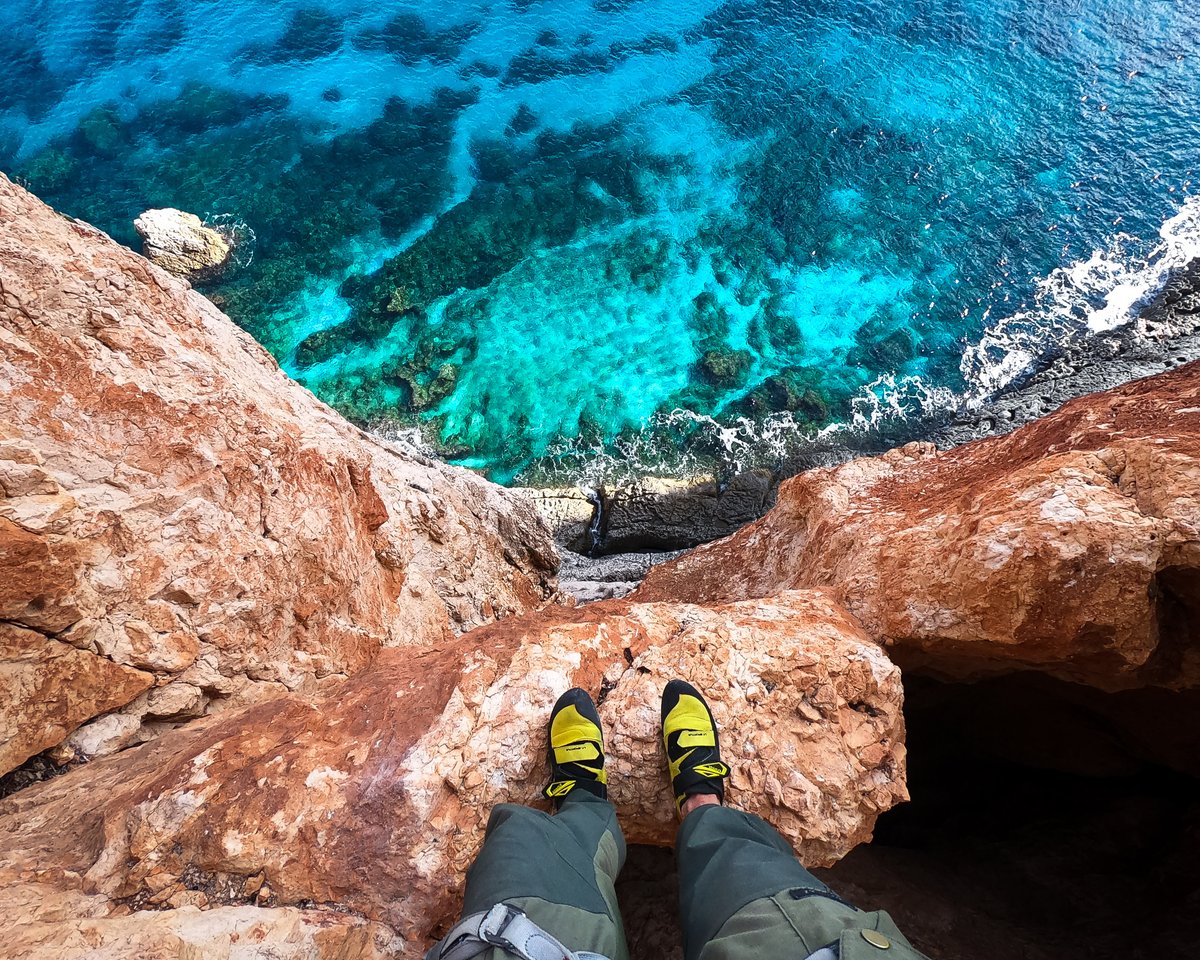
[285, 669]
[183, 529]
[1071, 546]
[374, 798]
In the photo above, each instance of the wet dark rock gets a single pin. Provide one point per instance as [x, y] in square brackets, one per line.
[664, 516]
[796, 391]
[725, 367]
[407, 38]
[882, 349]
[589, 579]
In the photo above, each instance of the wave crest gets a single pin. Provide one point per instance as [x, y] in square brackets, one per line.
[1082, 299]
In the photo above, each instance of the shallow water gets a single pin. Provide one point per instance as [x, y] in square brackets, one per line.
[554, 234]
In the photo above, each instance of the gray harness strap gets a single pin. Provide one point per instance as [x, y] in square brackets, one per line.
[507, 929]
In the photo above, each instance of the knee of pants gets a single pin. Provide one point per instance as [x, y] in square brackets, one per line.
[728, 859]
[577, 929]
[784, 926]
[559, 870]
[560, 860]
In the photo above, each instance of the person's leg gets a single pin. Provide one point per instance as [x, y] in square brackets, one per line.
[727, 861]
[559, 870]
[743, 894]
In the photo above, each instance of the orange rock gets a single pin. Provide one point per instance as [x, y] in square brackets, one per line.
[1071, 546]
[50, 688]
[43, 921]
[371, 797]
[172, 503]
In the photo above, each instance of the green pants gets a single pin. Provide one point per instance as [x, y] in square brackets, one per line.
[743, 895]
[559, 870]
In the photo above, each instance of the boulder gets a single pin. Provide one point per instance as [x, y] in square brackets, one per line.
[374, 797]
[1071, 546]
[181, 244]
[174, 509]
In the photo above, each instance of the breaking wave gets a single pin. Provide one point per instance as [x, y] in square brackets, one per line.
[1104, 293]
[240, 236]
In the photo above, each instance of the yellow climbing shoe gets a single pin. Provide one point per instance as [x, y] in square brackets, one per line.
[576, 748]
[690, 738]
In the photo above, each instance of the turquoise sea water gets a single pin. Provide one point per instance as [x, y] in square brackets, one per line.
[552, 234]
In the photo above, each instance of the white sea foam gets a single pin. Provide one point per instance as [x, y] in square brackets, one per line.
[1091, 296]
[240, 235]
[1077, 301]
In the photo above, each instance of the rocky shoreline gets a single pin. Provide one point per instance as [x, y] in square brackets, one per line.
[610, 539]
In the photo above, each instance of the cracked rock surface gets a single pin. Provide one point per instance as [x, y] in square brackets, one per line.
[375, 796]
[184, 529]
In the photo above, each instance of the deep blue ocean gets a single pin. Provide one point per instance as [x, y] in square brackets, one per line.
[562, 236]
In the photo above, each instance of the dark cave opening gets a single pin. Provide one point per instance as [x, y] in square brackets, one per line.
[1047, 820]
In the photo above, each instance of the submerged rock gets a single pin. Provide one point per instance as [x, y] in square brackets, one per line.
[181, 244]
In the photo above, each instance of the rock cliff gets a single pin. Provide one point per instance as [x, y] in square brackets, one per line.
[310, 661]
[313, 656]
[1071, 546]
[183, 528]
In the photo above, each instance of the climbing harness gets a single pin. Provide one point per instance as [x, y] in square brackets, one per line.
[508, 929]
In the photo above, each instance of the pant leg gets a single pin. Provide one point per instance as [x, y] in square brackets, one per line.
[560, 870]
[743, 895]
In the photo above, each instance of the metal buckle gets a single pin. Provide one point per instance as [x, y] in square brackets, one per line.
[498, 919]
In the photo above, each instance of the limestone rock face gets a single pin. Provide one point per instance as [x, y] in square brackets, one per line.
[654, 514]
[1071, 546]
[45, 921]
[180, 243]
[672, 515]
[375, 796]
[176, 511]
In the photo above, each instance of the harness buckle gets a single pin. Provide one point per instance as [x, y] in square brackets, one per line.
[498, 919]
